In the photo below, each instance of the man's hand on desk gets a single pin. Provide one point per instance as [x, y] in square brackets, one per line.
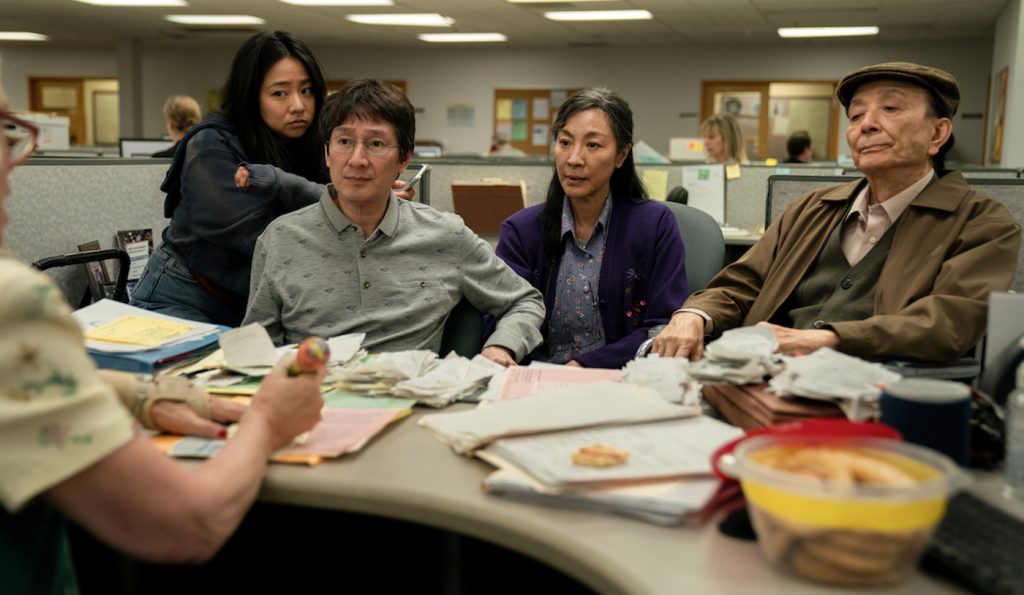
[683, 336]
[178, 418]
[499, 355]
[793, 341]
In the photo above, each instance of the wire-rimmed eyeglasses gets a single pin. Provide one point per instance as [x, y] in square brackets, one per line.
[346, 144]
[20, 136]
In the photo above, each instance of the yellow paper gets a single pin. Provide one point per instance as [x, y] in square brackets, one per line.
[656, 182]
[138, 330]
[771, 162]
[504, 109]
[732, 171]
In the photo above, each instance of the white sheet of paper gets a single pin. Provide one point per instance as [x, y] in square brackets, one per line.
[706, 187]
[248, 346]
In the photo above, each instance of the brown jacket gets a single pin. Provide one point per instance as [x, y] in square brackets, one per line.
[952, 247]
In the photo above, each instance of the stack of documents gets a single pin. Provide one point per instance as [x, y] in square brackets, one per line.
[666, 375]
[739, 356]
[379, 373]
[603, 403]
[123, 337]
[826, 374]
[666, 477]
[450, 379]
[537, 378]
[348, 423]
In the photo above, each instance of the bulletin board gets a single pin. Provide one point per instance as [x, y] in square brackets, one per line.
[526, 115]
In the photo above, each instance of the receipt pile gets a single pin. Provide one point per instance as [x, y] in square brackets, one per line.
[739, 356]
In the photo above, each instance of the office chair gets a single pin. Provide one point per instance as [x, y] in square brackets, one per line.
[678, 195]
[463, 331]
[124, 263]
[705, 254]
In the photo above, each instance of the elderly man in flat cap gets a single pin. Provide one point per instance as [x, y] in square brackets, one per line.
[896, 265]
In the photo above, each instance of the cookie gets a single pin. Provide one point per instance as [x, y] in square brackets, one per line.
[599, 455]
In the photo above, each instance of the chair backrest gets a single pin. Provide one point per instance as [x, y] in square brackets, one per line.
[705, 245]
[463, 331]
[76, 258]
[784, 189]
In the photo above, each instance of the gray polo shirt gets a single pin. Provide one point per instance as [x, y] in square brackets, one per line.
[314, 274]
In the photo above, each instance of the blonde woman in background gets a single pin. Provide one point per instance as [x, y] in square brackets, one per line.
[723, 140]
[182, 112]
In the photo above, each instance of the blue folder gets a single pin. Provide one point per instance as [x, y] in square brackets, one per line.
[153, 360]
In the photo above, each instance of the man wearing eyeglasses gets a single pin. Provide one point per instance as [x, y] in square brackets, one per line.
[362, 260]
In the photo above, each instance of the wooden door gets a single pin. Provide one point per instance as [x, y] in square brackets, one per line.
[62, 96]
[748, 103]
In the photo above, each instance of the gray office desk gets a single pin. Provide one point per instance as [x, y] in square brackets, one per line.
[407, 474]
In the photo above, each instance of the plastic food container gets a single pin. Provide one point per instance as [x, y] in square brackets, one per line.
[825, 526]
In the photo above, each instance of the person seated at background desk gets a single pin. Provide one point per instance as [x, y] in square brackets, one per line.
[609, 261]
[70, 448]
[896, 265]
[182, 113]
[798, 147]
[723, 140]
[268, 123]
[501, 146]
[361, 260]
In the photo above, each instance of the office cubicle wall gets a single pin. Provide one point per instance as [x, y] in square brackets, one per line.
[56, 204]
[1010, 192]
[745, 195]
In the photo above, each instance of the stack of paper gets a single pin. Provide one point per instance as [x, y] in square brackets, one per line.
[739, 356]
[379, 373]
[123, 337]
[451, 379]
[526, 381]
[348, 423]
[829, 375]
[666, 477]
[603, 403]
[667, 375]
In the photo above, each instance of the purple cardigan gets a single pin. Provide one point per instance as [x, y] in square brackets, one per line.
[643, 275]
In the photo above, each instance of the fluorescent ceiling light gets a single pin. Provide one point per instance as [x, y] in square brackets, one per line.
[22, 36]
[410, 19]
[214, 19]
[461, 37]
[599, 15]
[340, 2]
[135, 3]
[826, 31]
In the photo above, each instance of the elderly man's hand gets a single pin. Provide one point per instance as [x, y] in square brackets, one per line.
[794, 342]
[683, 336]
[178, 418]
[499, 355]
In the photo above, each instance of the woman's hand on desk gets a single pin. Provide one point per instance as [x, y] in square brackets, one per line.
[178, 418]
[683, 336]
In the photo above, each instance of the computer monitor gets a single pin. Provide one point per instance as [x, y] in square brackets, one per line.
[426, 151]
[143, 147]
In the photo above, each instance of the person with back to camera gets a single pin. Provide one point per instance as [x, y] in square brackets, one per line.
[182, 113]
[217, 207]
[898, 264]
[501, 146]
[609, 262]
[70, 449]
[798, 147]
[723, 140]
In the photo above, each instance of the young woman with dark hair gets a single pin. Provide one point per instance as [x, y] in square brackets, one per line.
[609, 262]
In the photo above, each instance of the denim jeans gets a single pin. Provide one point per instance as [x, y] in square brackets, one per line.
[167, 286]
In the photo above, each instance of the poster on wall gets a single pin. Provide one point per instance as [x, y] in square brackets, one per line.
[461, 114]
[999, 113]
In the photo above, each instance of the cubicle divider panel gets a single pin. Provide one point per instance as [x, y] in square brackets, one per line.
[784, 189]
[745, 195]
[57, 204]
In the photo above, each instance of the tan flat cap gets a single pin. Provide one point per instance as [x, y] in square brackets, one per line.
[939, 83]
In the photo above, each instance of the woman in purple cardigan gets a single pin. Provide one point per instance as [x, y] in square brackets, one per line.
[609, 262]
